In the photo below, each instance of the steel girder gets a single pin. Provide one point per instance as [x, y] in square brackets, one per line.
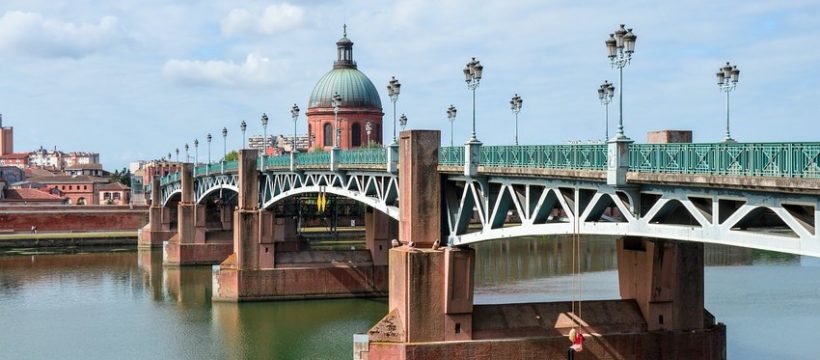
[492, 207]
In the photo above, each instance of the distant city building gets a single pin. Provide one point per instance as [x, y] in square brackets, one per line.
[113, 194]
[258, 142]
[6, 138]
[283, 142]
[29, 196]
[79, 190]
[85, 169]
[12, 174]
[19, 160]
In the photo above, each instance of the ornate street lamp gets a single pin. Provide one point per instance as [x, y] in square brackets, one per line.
[451, 116]
[242, 127]
[224, 143]
[294, 113]
[403, 121]
[209, 147]
[177, 155]
[264, 138]
[727, 78]
[187, 156]
[196, 151]
[515, 106]
[336, 102]
[393, 89]
[620, 47]
[368, 127]
[605, 93]
[472, 75]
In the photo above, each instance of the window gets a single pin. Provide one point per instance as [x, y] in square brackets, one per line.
[356, 135]
[116, 196]
[106, 195]
[328, 135]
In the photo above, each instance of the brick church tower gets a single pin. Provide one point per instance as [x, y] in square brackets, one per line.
[6, 138]
[360, 104]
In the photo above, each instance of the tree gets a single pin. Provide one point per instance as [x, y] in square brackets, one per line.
[232, 156]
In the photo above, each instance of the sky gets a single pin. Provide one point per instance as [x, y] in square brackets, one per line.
[136, 79]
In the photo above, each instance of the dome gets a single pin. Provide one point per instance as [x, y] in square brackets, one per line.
[351, 84]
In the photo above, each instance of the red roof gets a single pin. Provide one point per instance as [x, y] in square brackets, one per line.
[113, 186]
[31, 195]
[14, 156]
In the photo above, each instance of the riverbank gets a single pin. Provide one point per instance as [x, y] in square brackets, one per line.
[347, 237]
[63, 239]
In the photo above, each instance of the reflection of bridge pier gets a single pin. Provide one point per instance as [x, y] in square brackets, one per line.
[260, 268]
[431, 311]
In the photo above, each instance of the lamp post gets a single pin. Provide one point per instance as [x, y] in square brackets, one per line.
[515, 106]
[208, 138]
[294, 113]
[472, 75]
[224, 143]
[451, 116]
[393, 89]
[264, 138]
[402, 121]
[196, 151]
[605, 93]
[242, 127]
[187, 154]
[336, 102]
[727, 78]
[177, 150]
[368, 127]
[620, 47]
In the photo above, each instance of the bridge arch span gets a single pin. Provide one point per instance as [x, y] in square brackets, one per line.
[171, 196]
[378, 189]
[206, 192]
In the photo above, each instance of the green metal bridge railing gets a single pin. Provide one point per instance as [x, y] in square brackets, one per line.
[795, 160]
[571, 157]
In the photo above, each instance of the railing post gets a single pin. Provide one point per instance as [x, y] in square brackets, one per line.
[393, 158]
[334, 159]
[472, 157]
[293, 162]
[617, 161]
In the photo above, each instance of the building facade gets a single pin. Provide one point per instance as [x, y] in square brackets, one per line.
[360, 104]
[6, 139]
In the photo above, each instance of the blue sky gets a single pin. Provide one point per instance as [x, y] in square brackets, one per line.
[137, 79]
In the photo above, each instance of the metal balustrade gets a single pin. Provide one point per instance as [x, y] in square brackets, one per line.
[572, 157]
[798, 160]
[363, 156]
[451, 155]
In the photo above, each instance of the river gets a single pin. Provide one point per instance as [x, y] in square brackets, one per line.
[124, 304]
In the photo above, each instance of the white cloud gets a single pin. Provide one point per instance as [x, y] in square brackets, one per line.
[257, 70]
[31, 34]
[275, 18]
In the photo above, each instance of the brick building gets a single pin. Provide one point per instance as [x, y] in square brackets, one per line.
[360, 104]
[19, 160]
[6, 139]
[79, 190]
[113, 194]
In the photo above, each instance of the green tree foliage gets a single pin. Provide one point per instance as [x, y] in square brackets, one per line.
[232, 156]
[122, 177]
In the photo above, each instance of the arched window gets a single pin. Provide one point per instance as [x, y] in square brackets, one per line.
[356, 135]
[328, 135]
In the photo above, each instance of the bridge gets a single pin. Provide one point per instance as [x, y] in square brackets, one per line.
[662, 201]
[757, 195]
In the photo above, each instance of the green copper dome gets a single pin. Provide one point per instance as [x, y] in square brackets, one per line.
[355, 89]
[351, 84]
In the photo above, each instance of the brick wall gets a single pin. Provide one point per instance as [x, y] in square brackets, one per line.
[75, 220]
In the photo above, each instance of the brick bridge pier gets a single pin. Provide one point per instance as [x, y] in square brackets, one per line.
[431, 314]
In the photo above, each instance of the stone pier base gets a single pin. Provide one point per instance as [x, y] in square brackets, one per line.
[303, 275]
[152, 239]
[196, 254]
[613, 329]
